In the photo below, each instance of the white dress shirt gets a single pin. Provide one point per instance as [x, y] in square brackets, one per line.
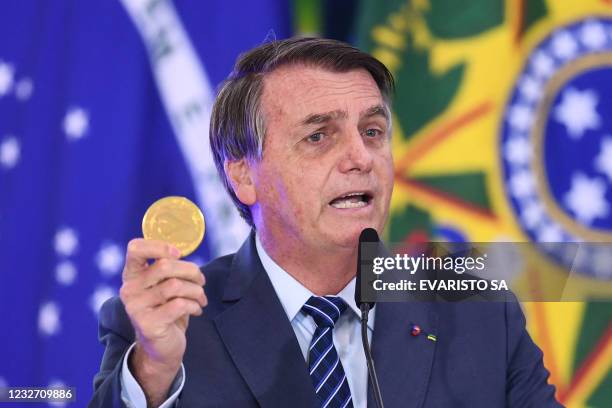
[292, 295]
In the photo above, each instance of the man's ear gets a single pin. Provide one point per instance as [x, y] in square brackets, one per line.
[239, 175]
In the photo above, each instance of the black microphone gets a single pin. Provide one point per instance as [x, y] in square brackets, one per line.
[367, 236]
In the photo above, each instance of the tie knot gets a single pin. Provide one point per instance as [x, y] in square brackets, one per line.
[325, 310]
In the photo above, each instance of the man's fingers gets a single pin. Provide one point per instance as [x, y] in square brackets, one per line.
[140, 250]
[173, 288]
[176, 308]
[155, 323]
[166, 291]
[165, 268]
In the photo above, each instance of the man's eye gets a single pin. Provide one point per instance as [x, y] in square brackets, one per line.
[373, 132]
[315, 137]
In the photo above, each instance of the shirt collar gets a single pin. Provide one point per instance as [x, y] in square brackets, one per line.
[292, 294]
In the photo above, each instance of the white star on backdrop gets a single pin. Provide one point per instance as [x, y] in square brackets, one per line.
[66, 241]
[55, 383]
[24, 88]
[543, 64]
[522, 184]
[109, 259]
[593, 35]
[100, 295]
[6, 78]
[549, 233]
[10, 151]
[76, 123]
[530, 88]
[518, 150]
[49, 319]
[520, 117]
[532, 214]
[65, 273]
[603, 161]
[564, 46]
[577, 112]
[586, 198]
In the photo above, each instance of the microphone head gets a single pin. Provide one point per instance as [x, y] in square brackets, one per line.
[368, 235]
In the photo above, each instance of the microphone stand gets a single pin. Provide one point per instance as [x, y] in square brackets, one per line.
[368, 235]
[365, 309]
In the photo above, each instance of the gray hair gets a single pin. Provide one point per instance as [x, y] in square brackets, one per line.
[237, 124]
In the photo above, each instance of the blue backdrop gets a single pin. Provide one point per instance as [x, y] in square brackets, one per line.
[85, 147]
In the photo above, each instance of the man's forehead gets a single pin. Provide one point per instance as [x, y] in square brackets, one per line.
[297, 73]
[308, 89]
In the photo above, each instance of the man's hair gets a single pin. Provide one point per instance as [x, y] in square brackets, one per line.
[237, 124]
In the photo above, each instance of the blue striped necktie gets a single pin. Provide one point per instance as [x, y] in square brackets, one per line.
[325, 368]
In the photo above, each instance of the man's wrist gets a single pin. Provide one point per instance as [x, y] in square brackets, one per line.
[154, 378]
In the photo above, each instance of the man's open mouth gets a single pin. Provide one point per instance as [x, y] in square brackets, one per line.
[352, 200]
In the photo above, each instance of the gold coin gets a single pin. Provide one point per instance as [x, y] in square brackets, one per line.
[175, 220]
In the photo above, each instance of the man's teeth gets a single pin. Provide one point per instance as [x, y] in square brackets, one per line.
[350, 202]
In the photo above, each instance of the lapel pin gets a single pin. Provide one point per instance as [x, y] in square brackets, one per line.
[415, 330]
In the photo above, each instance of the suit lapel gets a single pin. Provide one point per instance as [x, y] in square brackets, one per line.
[259, 337]
[403, 362]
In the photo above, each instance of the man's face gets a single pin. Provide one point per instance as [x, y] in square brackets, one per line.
[327, 169]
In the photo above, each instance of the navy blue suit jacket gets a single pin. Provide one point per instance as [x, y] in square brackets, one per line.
[242, 352]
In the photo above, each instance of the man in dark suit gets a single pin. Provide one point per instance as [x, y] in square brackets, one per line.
[300, 134]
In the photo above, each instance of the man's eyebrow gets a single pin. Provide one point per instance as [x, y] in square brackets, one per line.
[319, 118]
[378, 110]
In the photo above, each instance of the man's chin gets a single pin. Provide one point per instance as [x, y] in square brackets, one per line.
[347, 234]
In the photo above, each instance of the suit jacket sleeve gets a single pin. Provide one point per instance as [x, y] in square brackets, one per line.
[527, 378]
[116, 333]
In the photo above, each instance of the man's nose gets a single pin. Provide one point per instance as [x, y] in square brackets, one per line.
[356, 155]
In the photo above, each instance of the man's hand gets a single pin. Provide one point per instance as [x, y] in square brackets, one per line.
[159, 298]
